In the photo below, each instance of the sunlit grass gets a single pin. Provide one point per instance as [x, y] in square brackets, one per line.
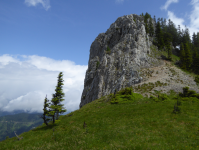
[141, 124]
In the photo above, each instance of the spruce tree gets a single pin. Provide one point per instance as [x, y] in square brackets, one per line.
[196, 61]
[182, 56]
[46, 112]
[188, 56]
[151, 29]
[169, 49]
[154, 18]
[197, 40]
[56, 108]
[194, 41]
[179, 35]
[159, 36]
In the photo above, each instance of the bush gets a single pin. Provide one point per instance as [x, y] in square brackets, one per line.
[126, 91]
[197, 79]
[97, 65]
[163, 97]
[108, 49]
[176, 107]
[188, 93]
[125, 96]
[114, 100]
[153, 98]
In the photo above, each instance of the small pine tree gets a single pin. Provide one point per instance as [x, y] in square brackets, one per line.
[182, 57]
[56, 107]
[46, 105]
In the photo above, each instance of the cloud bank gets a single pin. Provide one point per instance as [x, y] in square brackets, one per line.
[24, 84]
[44, 3]
[168, 2]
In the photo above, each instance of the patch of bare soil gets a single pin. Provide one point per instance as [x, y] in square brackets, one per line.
[175, 78]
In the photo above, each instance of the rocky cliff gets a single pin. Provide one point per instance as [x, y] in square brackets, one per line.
[116, 58]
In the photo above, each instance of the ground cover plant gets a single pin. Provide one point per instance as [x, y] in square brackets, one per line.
[168, 122]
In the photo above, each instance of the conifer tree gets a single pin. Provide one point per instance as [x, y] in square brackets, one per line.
[197, 40]
[146, 17]
[154, 18]
[159, 36]
[182, 57]
[179, 35]
[151, 29]
[196, 61]
[56, 108]
[188, 56]
[194, 40]
[169, 50]
[45, 114]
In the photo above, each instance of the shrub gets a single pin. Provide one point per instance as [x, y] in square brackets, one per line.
[126, 91]
[108, 49]
[125, 96]
[197, 79]
[114, 100]
[97, 65]
[163, 97]
[177, 108]
[153, 98]
[188, 93]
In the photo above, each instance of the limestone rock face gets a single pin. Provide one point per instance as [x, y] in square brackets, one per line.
[119, 67]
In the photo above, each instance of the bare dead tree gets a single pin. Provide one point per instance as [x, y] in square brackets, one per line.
[19, 138]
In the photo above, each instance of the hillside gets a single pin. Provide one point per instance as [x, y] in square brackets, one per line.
[136, 122]
[165, 77]
[19, 123]
[136, 94]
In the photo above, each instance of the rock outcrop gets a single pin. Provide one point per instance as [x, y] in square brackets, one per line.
[116, 58]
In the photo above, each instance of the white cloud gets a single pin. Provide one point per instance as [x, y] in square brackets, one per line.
[168, 2]
[24, 84]
[193, 25]
[177, 21]
[45, 3]
[194, 17]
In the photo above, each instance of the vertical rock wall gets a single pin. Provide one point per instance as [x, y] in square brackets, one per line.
[118, 68]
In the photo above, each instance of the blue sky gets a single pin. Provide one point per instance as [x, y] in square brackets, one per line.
[40, 38]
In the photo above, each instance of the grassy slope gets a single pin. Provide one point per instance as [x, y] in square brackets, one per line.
[141, 124]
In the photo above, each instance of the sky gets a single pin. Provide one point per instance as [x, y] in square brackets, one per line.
[41, 38]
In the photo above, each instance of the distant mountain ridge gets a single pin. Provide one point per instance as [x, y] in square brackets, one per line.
[19, 123]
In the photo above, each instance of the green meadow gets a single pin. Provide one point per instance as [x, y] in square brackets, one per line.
[123, 121]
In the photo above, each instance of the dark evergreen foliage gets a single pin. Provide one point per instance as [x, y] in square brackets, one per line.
[182, 57]
[188, 56]
[56, 108]
[44, 116]
[167, 37]
[151, 29]
[159, 36]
